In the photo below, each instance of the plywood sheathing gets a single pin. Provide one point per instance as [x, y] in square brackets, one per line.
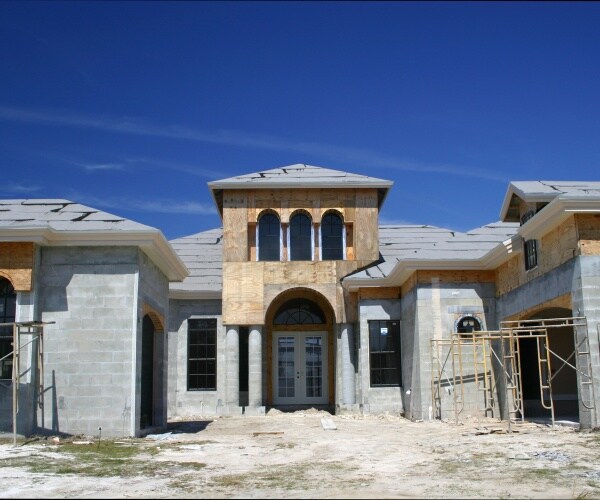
[447, 277]
[588, 226]
[16, 265]
[555, 248]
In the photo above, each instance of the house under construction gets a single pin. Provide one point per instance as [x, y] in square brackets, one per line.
[301, 298]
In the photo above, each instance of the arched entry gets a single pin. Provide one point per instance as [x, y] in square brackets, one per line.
[300, 350]
[8, 304]
[563, 378]
[147, 373]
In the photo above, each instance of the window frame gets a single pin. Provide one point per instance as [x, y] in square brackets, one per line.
[8, 297]
[530, 254]
[211, 329]
[390, 356]
[290, 241]
[258, 239]
[478, 324]
[342, 236]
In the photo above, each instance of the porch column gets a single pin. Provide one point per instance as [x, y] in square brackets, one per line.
[255, 366]
[348, 371]
[232, 346]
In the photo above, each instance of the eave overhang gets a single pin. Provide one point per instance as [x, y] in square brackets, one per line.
[153, 243]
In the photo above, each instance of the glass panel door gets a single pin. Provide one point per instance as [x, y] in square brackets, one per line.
[300, 368]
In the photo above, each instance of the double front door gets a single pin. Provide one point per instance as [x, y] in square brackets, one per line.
[300, 368]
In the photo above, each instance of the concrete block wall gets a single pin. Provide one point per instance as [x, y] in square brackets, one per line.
[377, 399]
[153, 291]
[91, 295]
[586, 302]
[181, 402]
[438, 307]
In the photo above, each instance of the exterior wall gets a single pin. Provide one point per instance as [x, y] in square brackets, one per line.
[438, 306]
[377, 399]
[16, 264]
[153, 299]
[586, 302]
[250, 286]
[181, 402]
[91, 295]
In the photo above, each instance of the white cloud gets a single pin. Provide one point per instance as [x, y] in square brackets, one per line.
[19, 188]
[135, 126]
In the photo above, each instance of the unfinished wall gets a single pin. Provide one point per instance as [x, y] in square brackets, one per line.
[16, 264]
[377, 399]
[181, 402]
[153, 299]
[439, 305]
[249, 286]
[91, 295]
[555, 248]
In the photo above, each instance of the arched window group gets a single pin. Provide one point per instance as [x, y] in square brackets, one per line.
[8, 304]
[300, 237]
[468, 324]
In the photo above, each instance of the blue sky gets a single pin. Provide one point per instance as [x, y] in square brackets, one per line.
[132, 107]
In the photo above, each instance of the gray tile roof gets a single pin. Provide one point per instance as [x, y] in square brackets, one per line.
[545, 192]
[62, 215]
[299, 175]
[202, 253]
[423, 243]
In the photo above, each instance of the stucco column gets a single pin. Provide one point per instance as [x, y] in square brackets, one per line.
[255, 366]
[348, 370]
[232, 394]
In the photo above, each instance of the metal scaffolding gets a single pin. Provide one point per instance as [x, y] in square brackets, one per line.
[33, 332]
[492, 361]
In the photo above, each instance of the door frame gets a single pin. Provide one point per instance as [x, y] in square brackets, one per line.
[300, 359]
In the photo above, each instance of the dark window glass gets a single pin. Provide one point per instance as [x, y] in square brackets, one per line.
[8, 305]
[530, 252]
[299, 312]
[468, 324]
[269, 238]
[202, 354]
[300, 237]
[384, 352]
[332, 239]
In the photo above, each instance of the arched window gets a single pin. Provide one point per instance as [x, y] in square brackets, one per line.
[299, 312]
[269, 238]
[300, 237]
[332, 237]
[8, 305]
[468, 324]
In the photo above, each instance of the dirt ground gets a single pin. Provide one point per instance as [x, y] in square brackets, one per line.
[292, 455]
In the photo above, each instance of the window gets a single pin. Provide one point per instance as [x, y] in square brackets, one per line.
[530, 252]
[202, 354]
[299, 312]
[8, 304]
[530, 247]
[269, 238]
[300, 237]
[384, 348]
[468, 324]
[332, 237]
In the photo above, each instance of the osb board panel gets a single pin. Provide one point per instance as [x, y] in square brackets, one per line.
[242, 293]
[564, 302]
[16, 264]
[556, 247]
[250, 287]
[235, 227]
[379, 293]
[447, 277]
[588, 226]
[366, 226]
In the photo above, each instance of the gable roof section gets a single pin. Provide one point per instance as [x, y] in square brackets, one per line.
[544, 192]
[202, 253]
[298, 176]
[54, 222]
